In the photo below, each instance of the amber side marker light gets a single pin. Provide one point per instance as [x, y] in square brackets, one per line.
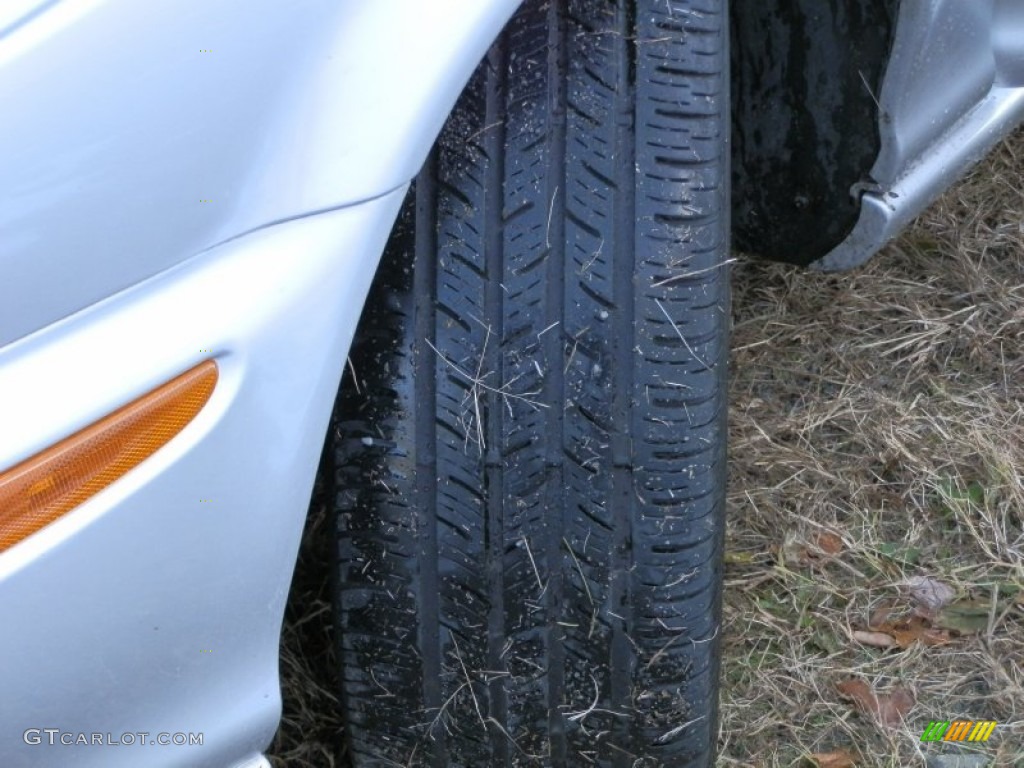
[53, 482]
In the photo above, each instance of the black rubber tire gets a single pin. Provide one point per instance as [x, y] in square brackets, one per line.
[530, 460]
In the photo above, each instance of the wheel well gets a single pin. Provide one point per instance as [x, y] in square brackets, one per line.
[805, 81]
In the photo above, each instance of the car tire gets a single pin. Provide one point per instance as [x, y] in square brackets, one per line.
[529, 444]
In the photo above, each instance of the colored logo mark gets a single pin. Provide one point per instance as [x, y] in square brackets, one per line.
[958, 730]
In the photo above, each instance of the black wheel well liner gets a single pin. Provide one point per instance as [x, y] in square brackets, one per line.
[805, 79]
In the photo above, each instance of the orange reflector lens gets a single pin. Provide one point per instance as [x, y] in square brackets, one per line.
[42, 488]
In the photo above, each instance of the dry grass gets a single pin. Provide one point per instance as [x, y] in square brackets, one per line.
[311, 727]
[877, 436]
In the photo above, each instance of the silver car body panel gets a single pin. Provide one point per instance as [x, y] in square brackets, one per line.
[136, 134]
[156, 605]
[953, 88]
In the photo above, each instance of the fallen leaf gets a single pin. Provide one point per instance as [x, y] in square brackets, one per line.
[876, 639]
[930, 593]
[964, 616]
[904, 632]
[829, 543]
[814, 552]
[918, 630]
[889, 708]
[838, 759]
[860, 693]
[894, 707]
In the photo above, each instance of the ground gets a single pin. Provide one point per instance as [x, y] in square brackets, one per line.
[875, 554]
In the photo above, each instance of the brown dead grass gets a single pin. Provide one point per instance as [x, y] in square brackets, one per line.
[877, 434]
[311, 725]
[884, 407]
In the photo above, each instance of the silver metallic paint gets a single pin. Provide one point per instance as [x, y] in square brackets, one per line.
[156, 606]
[116, 126]
[304, 126]
[953, 89]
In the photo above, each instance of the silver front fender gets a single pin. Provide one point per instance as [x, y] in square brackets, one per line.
[136, 134]
[183, 180]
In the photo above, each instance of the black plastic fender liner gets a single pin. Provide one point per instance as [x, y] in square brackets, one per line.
[805, 80]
